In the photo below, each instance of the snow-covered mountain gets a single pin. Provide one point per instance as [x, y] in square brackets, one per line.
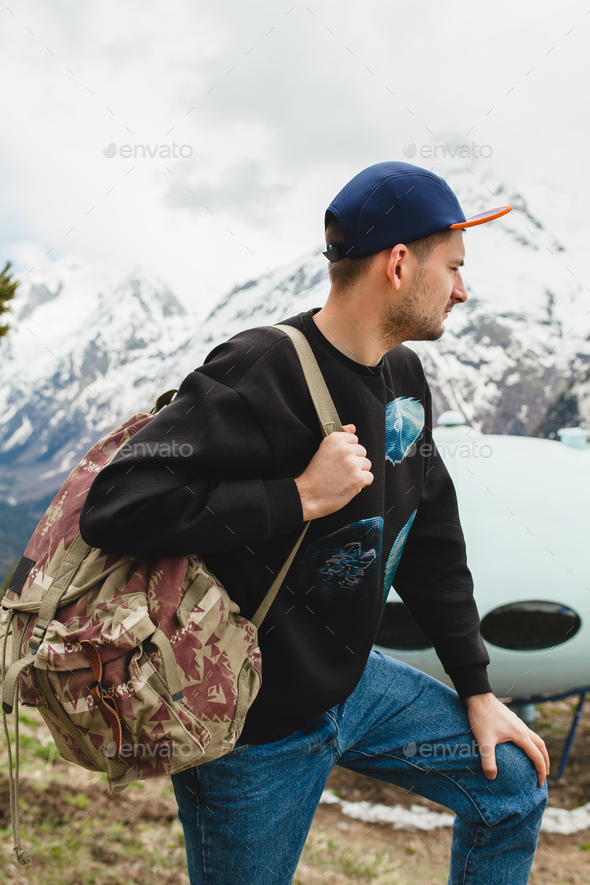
[83, 355]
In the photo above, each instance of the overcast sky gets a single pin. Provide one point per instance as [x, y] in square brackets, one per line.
[270, 108]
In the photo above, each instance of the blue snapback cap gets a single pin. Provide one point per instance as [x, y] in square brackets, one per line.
[391, 203]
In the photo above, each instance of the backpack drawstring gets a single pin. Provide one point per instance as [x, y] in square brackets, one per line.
[22, 855]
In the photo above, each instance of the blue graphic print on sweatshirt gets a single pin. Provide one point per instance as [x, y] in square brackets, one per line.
[395, 554]
[347, 561]
[404, 422]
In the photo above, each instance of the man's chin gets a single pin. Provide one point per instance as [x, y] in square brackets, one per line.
[426, 334]
[422, 332]
[434, 334]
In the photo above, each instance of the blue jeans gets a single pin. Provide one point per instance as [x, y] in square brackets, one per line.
[246, 815]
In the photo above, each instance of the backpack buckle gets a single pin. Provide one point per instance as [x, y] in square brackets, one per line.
[96, 683]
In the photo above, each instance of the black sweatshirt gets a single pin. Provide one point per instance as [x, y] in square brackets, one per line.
[218, 479]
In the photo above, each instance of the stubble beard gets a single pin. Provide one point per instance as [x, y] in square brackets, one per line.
[412, 320]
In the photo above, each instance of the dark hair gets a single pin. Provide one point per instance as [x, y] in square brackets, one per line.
[348, 271]
[422, 248]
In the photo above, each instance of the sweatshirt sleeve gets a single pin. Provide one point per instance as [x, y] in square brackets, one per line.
[435, 583]
[197, 478]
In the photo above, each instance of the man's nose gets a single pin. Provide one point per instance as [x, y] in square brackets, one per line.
[459, 293]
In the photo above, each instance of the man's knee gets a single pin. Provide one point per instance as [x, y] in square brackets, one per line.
[517, 780]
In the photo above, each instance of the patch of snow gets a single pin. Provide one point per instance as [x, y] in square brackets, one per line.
[20, 434]
[417, 817]
[560, 820]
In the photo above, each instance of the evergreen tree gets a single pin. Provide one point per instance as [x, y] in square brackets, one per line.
[7, 290]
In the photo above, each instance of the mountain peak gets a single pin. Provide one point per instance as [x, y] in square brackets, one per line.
[84, 354]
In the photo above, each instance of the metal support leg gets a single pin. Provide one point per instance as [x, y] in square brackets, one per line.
[525, 709]
[527, 712]
[570, 738]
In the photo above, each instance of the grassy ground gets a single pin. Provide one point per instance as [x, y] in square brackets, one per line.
[80, 835]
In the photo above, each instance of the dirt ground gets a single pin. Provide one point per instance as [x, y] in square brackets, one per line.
[80, 835]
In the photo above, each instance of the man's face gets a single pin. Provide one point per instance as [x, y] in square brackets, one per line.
[433, 288]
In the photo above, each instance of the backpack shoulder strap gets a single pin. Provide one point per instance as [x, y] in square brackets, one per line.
[325, 408]
[329, 422]
[163, 400]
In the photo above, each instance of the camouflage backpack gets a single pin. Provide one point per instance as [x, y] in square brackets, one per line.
[140, 666]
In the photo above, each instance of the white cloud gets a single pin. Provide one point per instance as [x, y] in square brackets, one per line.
[281, 105]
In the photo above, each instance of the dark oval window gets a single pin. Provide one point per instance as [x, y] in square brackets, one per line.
[399, 630]
[526, 626]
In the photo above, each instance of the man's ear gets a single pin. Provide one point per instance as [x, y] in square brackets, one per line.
[397, 265]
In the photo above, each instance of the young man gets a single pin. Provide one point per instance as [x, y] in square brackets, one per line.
[383, 511]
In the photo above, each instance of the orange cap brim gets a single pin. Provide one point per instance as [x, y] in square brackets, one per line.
[483, 217]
